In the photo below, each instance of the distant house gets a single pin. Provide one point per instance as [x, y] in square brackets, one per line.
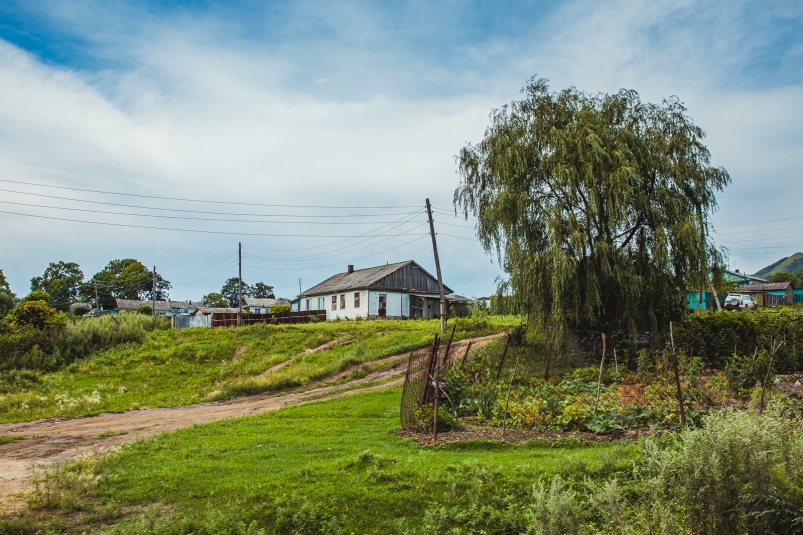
[80, 308]
[259, 305]
[163, 308]
[770, 293]
[208, 311]
[401, 290]
[741, 278]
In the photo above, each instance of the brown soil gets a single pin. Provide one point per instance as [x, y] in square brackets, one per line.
[238, 352]
[476, 431]
[57, 440]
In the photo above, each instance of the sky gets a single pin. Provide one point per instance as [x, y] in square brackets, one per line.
[312, 132]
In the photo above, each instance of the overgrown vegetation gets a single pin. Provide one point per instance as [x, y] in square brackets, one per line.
[336, 467]
[150, 366]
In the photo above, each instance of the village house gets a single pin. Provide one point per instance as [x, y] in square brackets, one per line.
[394, 291]
[770, 294]
[163, 308]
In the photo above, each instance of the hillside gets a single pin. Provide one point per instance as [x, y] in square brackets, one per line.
[790, 264]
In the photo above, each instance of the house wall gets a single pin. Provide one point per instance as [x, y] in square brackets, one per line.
[347, 312]
[408, 278]
[397, 304]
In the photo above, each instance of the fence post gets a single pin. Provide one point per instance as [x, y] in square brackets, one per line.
[468, 348]
[502, 360]
[437, 395]
[449, 345]
[674, 361]
[507, 399]
[601, 367]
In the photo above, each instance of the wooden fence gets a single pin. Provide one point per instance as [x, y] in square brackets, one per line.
[230, 320]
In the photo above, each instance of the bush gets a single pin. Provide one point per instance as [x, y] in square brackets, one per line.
[36, 314]
[145, 310]
[278, 309]
[739, 473]
[54, 346]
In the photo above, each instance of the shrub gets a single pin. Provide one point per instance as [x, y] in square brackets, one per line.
[145, 310]
[739, 473]
[278, 309]
[36, 314]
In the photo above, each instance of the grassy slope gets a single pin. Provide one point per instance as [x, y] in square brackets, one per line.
[339, 457]
[193, 365]
[789, 263]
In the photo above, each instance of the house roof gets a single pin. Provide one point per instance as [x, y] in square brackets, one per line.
[761, 287]
[134, 304]
[736, 276]
[77, 306]
[359, 279]
[217, 310]
[263, 302]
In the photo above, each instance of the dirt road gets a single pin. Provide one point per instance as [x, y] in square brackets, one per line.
[52, 440]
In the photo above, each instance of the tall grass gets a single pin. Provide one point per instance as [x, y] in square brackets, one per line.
[53, 347]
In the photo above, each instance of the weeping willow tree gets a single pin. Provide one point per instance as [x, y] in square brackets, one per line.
[597, 207]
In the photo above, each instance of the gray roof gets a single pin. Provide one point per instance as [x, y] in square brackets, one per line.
[454, 298]
[134, 304]
[215, 310]
[764, 287]
[263, 302]
[77, 306]
[359, 279]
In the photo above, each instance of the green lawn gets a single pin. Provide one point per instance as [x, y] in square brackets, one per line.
[328, 467]
[189, 366]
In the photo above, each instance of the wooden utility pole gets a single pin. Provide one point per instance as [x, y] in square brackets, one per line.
[240, 285]
[97, 302]
[716, 297]
[437, 268]
[153, 293]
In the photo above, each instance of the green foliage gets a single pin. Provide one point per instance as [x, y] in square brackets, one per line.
[113, 363]
[278, 309]
[124, 279]
[8, 299]
[7, 439]
[717, 336]
[214, 300]
[424, 418]
[63, 281]
[55, 344]
[597, 206]
[739, 473]
[36, 295]
[145, 310]
[230, 291]
[37, 314]
[795, 278]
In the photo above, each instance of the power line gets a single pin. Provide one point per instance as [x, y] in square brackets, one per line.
[338, 264]
[196, 231]
[458, 237]
[183, 210]
[202, 200]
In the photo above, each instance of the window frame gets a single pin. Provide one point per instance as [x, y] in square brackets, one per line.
[342, 301]
[356, 299]
[334, 302]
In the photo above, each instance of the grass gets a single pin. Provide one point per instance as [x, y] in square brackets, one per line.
[173, 367]
[326, 467]
[7, 439]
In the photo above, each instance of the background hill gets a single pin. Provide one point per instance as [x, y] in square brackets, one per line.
[790, 264]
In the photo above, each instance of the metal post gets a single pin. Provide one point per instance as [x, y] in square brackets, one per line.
[507, 399]
[153, 293]
[504, 353]
[601, 368]
[437, 395]
[240, 286]
[437, 267]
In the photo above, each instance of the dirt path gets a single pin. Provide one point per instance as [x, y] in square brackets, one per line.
[53, 440]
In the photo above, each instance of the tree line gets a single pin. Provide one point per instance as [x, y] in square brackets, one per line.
[64, 283]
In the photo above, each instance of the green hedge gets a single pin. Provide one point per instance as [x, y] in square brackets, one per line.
[717, 336]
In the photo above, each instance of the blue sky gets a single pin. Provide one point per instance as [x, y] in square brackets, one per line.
[355, 104]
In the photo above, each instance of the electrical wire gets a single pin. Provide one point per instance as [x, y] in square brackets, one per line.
[338, 264]
[180, 199]
[247, 214]
[453, 236]
[185, 218]
[195, 231]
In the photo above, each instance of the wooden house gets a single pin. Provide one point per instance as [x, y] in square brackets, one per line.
[770, 294]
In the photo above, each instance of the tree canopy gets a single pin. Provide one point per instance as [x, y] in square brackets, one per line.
[795, 278]
[214, 300]
[124, 279]
[62, 280]
[597, 206]
[7, 298]
[230, 291]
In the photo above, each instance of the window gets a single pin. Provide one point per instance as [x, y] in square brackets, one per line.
[342, 301]
[308, 303]
[334, 302]
[356, 299]
[321, 303]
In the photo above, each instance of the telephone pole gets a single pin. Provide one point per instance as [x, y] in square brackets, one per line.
[437, 268]
[240, 287]
[97, 301]
[153, 293]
